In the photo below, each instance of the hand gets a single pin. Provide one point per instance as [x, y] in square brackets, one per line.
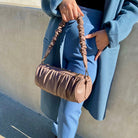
[101, 41]
[69, 10]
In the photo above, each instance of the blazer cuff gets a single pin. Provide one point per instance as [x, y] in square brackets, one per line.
[54, 7]
[110, 28]
[50, 7]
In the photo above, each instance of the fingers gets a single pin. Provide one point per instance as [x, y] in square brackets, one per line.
[64, 17]
[91, 35]
[80, 12]
[70, 10]
[64, 13]
[98, 54]
[71, 16]
[75, 13]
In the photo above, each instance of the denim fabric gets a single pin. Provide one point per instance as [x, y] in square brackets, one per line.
[118, 19]
[69, 112]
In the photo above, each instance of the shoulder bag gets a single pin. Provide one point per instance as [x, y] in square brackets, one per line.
[61, 82]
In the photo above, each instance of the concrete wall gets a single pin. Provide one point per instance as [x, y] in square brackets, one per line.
[21, 35]
[32, 3]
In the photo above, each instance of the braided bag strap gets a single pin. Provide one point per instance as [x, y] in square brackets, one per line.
[82, 42]
[81, 37]
[57, 32]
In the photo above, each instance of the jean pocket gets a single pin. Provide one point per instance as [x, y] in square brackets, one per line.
[91, 46]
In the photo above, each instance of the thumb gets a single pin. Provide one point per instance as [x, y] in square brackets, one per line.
[98, 54]
[90, 35]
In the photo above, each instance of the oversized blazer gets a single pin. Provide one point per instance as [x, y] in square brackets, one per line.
[118, 19]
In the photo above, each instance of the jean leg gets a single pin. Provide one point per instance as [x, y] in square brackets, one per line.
[68, 118]
[68, 115]
[69, 112]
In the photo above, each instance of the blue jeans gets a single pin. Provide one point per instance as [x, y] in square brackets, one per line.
[69, 112]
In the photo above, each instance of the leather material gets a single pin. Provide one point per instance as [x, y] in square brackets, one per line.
[63, 83]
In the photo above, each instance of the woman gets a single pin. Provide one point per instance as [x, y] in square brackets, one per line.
[105, 25]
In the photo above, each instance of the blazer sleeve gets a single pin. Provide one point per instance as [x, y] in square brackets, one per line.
[119, 28]
[50, 7]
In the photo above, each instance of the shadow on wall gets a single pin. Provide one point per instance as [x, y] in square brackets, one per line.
[17, 121]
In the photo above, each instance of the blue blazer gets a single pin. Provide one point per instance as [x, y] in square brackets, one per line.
[118, 20]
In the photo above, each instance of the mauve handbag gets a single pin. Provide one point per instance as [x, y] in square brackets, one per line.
[61, 82]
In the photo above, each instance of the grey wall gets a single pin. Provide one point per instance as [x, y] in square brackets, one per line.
[21, 35]
[32, 3]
